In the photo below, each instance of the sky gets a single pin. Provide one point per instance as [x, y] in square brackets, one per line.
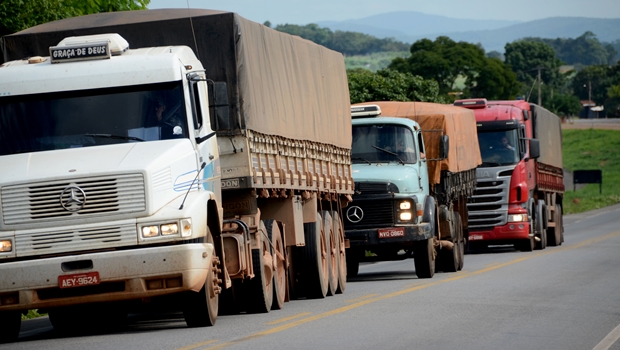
[302, 12]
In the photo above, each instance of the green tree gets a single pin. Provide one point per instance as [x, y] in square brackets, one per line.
[583, 50]
[348, 43]
[389, 85]
[495, 81]
[443, 60]
[528, 58]
[16, 15]
[565, 105]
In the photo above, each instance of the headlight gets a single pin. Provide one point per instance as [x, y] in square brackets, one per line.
[169, 229]
[405, 216]
[406, 205]
[6, 246]
[150, 231]
[517, 218]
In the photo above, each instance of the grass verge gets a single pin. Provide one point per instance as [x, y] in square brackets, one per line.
[592, 149]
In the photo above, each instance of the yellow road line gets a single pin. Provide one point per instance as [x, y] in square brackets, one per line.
[290, 318]
[361, 298]
[424, 285]
[193, 346]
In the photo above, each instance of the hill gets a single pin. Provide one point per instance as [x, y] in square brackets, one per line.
[493, 35]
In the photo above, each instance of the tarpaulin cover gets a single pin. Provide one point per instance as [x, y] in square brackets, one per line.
[436, 120]
[548, 130]
[278, 84]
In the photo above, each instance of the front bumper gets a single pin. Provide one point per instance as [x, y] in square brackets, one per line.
[370, 237]
[124, 275]
[506, 234]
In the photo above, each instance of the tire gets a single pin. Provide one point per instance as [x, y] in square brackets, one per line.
[201, 309]
[341, 253]
[10, 323]
[260, 288]
[539, 226]
[449, 259]
[424, 258]
[279, 268]
[314, 256]
[554, 234]
[332, 252]
[461, 240]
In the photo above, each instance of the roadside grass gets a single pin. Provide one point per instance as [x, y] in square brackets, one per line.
[32, 314]
[592, 149]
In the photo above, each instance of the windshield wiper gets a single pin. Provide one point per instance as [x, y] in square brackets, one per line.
[360, 158]
[490, 164]
[118, 137]
[389, 152]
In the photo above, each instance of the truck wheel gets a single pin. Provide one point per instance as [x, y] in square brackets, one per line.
[460, 240]
[554, 234]
[260, 288]
[201, 309]
[10, 323]
[316, 276]
[539, 226]
[332, 252]
[449, 259]
[424, 258]
[279, 264]
[341, 253]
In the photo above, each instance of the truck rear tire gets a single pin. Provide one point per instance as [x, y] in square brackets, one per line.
[332, 252]
[424, 258]
[461, 240]
[449, 259]
[10, 323]
[341, 250]
[279, 268]
[554, 234]
[315, 262]
[260, 288]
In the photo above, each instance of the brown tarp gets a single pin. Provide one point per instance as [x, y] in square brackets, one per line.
[436, 120]
[548, 131]
[278, 84]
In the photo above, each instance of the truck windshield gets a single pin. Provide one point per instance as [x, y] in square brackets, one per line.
[499, 147]
[383, 143]
[84, 118]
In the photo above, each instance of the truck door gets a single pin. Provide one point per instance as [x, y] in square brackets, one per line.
[423, 173]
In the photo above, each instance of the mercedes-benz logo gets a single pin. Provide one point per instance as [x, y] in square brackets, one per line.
[73, 198]
[355, 214]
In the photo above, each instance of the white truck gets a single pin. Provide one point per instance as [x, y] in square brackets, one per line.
[206, 168]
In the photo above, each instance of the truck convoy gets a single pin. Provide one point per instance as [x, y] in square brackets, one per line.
[518, 199]
[189, 155]
[414, 166]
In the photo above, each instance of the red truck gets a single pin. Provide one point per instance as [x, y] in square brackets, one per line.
[520, 188]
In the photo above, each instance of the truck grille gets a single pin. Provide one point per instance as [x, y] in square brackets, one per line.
[488, 207]
[78, 239]
[376, 213]
[41, 202]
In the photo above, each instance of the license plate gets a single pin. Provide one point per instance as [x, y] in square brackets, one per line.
[475, 237]
[78, 280]
[392, 232]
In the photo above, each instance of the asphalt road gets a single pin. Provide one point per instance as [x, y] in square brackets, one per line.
[565, 297]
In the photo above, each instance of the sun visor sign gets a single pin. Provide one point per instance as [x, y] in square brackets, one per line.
[80, 52]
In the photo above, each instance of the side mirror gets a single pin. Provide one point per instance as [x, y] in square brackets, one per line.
[444, 146]
[534, 148]
[219, 106]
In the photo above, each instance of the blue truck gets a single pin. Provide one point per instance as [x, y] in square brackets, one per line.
[414, 168]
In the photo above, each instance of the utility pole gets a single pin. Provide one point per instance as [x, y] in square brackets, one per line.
[539, 84]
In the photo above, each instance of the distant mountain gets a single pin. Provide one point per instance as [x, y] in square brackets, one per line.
[410, 24]
[493, 35]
